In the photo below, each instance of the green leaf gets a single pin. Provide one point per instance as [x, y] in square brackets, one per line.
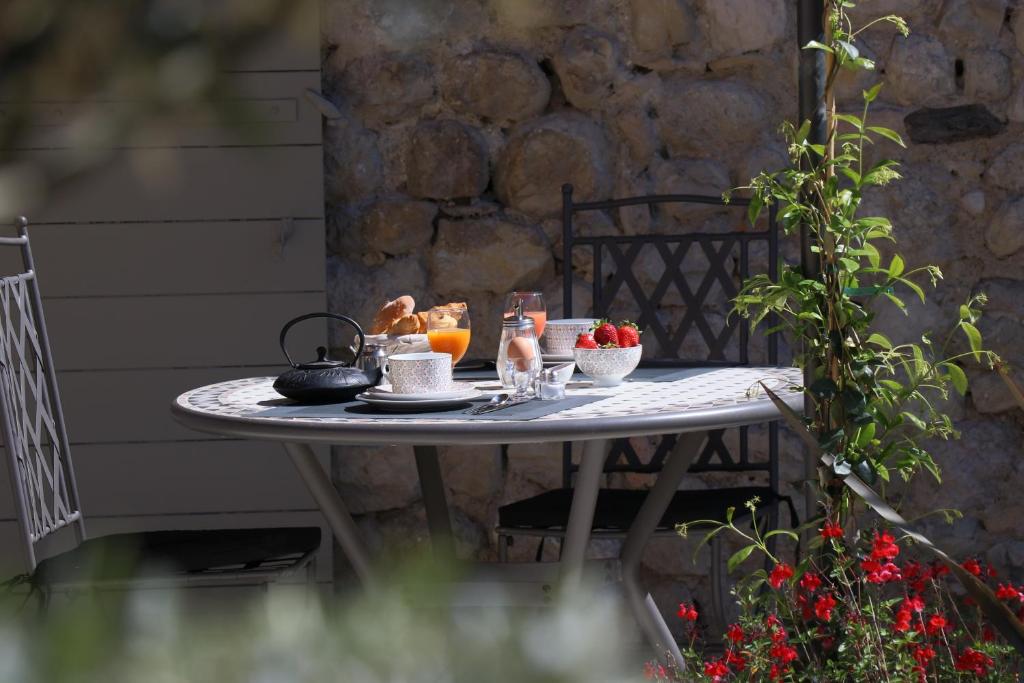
[866, 434]
[896, 266]
[738, 557]
[783, 532]
[849, 48]
[879, 339]
[957, 377]
[914, 287]
[888, 133]
[850, 119]
[872, 94]
[754, 210]
[973, 338]
[815, 45]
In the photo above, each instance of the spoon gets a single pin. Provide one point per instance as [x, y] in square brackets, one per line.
[496, 400]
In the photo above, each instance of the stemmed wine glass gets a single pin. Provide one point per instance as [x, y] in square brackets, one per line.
[448, 331]
[533, 306]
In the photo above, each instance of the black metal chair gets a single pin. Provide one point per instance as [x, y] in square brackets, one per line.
[46, 497]
[724, 339]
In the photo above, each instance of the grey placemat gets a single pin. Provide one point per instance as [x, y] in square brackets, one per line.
[524, 411]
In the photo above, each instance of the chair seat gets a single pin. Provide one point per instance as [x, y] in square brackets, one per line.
[181, 554]
[616, 508]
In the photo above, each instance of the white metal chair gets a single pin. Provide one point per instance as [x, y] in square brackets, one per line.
[46, 497]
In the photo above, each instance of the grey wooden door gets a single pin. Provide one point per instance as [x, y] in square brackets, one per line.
[175, 266]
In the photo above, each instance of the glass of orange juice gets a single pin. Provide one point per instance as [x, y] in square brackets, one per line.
[448, 331]
[533, 307]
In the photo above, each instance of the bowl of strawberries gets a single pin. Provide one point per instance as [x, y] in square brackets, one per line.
[609, 352]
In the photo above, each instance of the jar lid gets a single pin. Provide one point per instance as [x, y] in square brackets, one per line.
[517, 321]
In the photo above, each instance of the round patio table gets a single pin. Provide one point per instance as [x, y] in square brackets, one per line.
[688, 402]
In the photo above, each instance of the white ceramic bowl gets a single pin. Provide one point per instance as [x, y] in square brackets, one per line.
[607, 367]
[560, 335]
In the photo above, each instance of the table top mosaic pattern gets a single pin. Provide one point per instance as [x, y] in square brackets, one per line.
[649, 393]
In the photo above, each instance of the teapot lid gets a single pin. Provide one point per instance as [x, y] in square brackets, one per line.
[321, 362]
[517, 321]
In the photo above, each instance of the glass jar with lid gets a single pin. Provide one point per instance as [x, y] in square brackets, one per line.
[518, 350]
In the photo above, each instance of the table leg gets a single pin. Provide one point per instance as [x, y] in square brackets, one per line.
[435, 500]
[334, 509]
[640, 531]
[581, 512]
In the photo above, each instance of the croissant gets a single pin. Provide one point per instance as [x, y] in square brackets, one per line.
[407, 324]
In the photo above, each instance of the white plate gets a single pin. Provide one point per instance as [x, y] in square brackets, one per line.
[557, 357]
[420, 404]
[459, 390]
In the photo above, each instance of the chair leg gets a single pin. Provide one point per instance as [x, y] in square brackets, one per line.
[540, 550]
[503, 543]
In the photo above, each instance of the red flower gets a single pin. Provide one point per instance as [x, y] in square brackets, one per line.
[884, 547]
[810, 582]
[805, 607]
[716, 670]
[880, 572]
[783, 653]
[735, 634]
[972, 566]
[654, 672]
[777, 672]
[902, 622]
[780, 573]
[831, 530]
[735, 660]
[1006, 591]
[823, 607]
[938, 570]
[934, 625]
[772, 620]
[687, 612]
[922, 654]
[973, 661]
[914, 603]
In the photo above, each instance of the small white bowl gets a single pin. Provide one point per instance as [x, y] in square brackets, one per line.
[560, 335]
[608, 367]
[565, 374]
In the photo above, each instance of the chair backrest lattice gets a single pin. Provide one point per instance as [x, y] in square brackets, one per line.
[678, 288]
[35, 438]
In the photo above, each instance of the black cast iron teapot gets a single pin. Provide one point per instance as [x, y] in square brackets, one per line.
[323, 380]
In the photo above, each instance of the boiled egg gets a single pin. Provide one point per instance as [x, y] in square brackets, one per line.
[520, 349]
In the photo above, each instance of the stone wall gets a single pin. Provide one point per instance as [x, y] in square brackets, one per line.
[458, 121]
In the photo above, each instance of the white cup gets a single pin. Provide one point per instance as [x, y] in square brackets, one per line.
[420, 373]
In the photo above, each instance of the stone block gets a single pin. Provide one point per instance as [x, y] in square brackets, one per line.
[446, 160]
[373, 479]
[385, 88]
[392, 226]
[739, 26]
[1005, 234]
[990, 395]
[704, 118]
[952, 124]
[987, 75]
[353, 166]
[972, 23]
[588, 67]
[496, 86]
[658, 26]
[490, 254]
[919, 71]
[545, 153]
[1007, 170]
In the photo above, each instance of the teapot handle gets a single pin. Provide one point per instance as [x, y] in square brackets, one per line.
[336, 316]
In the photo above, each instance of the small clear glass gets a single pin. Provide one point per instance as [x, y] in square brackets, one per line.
[521, 379]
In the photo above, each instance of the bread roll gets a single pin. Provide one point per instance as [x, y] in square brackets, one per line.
[407, 324]
[391, 312]
[422, 315]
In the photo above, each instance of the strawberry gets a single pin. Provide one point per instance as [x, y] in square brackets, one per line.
[629, 334]
[586, 341]
[605, 334]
